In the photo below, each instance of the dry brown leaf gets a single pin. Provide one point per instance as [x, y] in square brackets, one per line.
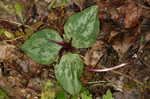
[93, 56]
[28, 65]
[131, 13]
[6, 51]
[132, 16]
[114, 14]
[113, 34]
[147, 37]
[52, 16]
[145, 57]
[146, 12]
[79, 3]
[147, 1]
[121, 45]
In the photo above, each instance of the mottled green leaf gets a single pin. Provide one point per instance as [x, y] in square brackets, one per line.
[68, 72]
[83, 27]
[40, 48]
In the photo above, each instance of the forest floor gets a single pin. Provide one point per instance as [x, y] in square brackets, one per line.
[124, 38]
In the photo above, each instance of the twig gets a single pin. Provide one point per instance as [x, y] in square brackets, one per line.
[131, 78]
[14, 39]
[16, 23]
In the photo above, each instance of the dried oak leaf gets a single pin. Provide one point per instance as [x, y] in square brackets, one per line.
[93, 56]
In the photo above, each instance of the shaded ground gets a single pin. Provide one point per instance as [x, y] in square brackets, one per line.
[124, 38]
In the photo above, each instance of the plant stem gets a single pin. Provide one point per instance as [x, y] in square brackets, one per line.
[59, 43]
[107, 69]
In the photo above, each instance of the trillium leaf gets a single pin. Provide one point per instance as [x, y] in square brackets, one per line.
[68, 72]
[83, 28]
[40, 48]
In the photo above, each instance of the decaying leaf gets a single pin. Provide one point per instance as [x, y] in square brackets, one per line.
[27, 65]
[6, 51]
[131, 12]
[68, 72]
[93, 56]
[83, 28]
[122, 43]
[79, 3]
[29, 31]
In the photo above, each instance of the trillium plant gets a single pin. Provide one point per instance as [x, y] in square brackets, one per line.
[81, 30]
[44, 46]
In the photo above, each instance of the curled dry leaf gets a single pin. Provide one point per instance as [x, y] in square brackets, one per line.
[6, 51]
[93, 56]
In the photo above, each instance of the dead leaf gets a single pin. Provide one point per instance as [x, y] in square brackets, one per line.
[29, 31]
[79, 3]
[52, 16]
[131, 13]
[114, 14]
[145, 56]
[132, 17]
[147, 37]
[122, 44]
[6, 51]
[28, 65]
[113, 34]
[93, 56]
[147, 1]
